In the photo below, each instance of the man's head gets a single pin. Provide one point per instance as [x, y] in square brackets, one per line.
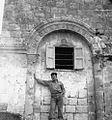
[54, 76]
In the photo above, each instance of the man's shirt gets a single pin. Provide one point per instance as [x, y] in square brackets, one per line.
[54, 87]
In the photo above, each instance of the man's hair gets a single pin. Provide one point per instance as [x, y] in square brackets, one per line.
[54, 73]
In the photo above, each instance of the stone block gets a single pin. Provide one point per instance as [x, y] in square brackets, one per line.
[91, 116]
[45, 92]
[99, 82]
[99, 100]
[5, 34]
[76, 28]
[44, 116]
[72, 101]
[46, 100]
[83, 93]
[81, 116]
[68, 116]
[100, 115]
[108, 99]
[91, 107]
[45, 108]
[81, 109]
[3, 107]
[28, 108]
[70, 109]
[82, 32]
[13, 27]
[36, 108]
[65, 100]
[82, 101]
[36, 116]
[15, 34]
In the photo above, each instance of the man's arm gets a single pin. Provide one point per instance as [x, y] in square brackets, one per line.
[63, 89]
[43, 82]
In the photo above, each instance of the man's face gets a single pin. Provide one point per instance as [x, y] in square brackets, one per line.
[54, 77]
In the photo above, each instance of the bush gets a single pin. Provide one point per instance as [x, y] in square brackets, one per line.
[10, 116]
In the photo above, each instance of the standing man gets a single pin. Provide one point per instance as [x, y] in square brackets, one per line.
[57, 90]
[99, 44]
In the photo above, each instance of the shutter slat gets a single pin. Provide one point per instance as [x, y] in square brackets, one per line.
[78, 57]
[50, 57]
[79, 52]
[79, 64]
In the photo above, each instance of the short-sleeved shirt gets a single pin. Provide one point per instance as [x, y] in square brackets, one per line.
[54, 87]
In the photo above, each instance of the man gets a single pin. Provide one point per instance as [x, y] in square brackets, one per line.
[99, 42]
[57, 92]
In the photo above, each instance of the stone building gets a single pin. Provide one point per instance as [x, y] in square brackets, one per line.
[42, 36]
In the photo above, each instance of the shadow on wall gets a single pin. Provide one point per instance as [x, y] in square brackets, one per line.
[110, 1]
[10, 116]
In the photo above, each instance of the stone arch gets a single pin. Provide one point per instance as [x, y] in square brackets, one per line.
[34, 39]
[43, 29]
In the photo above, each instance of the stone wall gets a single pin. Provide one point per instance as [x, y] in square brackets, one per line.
[20, 16]
[12, 85]
[103, 92]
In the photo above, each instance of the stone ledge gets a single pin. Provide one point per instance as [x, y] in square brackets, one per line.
[13, 49]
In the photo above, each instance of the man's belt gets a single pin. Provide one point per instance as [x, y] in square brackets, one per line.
[55, 94]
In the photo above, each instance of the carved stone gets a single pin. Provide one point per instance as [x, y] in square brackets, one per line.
[43, 29]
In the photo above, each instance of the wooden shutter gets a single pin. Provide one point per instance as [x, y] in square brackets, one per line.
[50, 56]
[78, 57]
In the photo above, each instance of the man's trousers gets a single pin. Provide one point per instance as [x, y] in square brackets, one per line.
[56, 101]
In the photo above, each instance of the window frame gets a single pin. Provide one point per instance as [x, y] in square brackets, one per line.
[69, 46]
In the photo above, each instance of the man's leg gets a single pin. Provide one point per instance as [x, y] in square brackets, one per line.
[52, 109]
[60, 108]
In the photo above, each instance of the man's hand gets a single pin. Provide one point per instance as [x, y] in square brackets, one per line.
[37, 79]
[43, 82]
[35, 76]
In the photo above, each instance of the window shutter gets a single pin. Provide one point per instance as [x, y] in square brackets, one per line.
[78, 57]
[50, 57]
